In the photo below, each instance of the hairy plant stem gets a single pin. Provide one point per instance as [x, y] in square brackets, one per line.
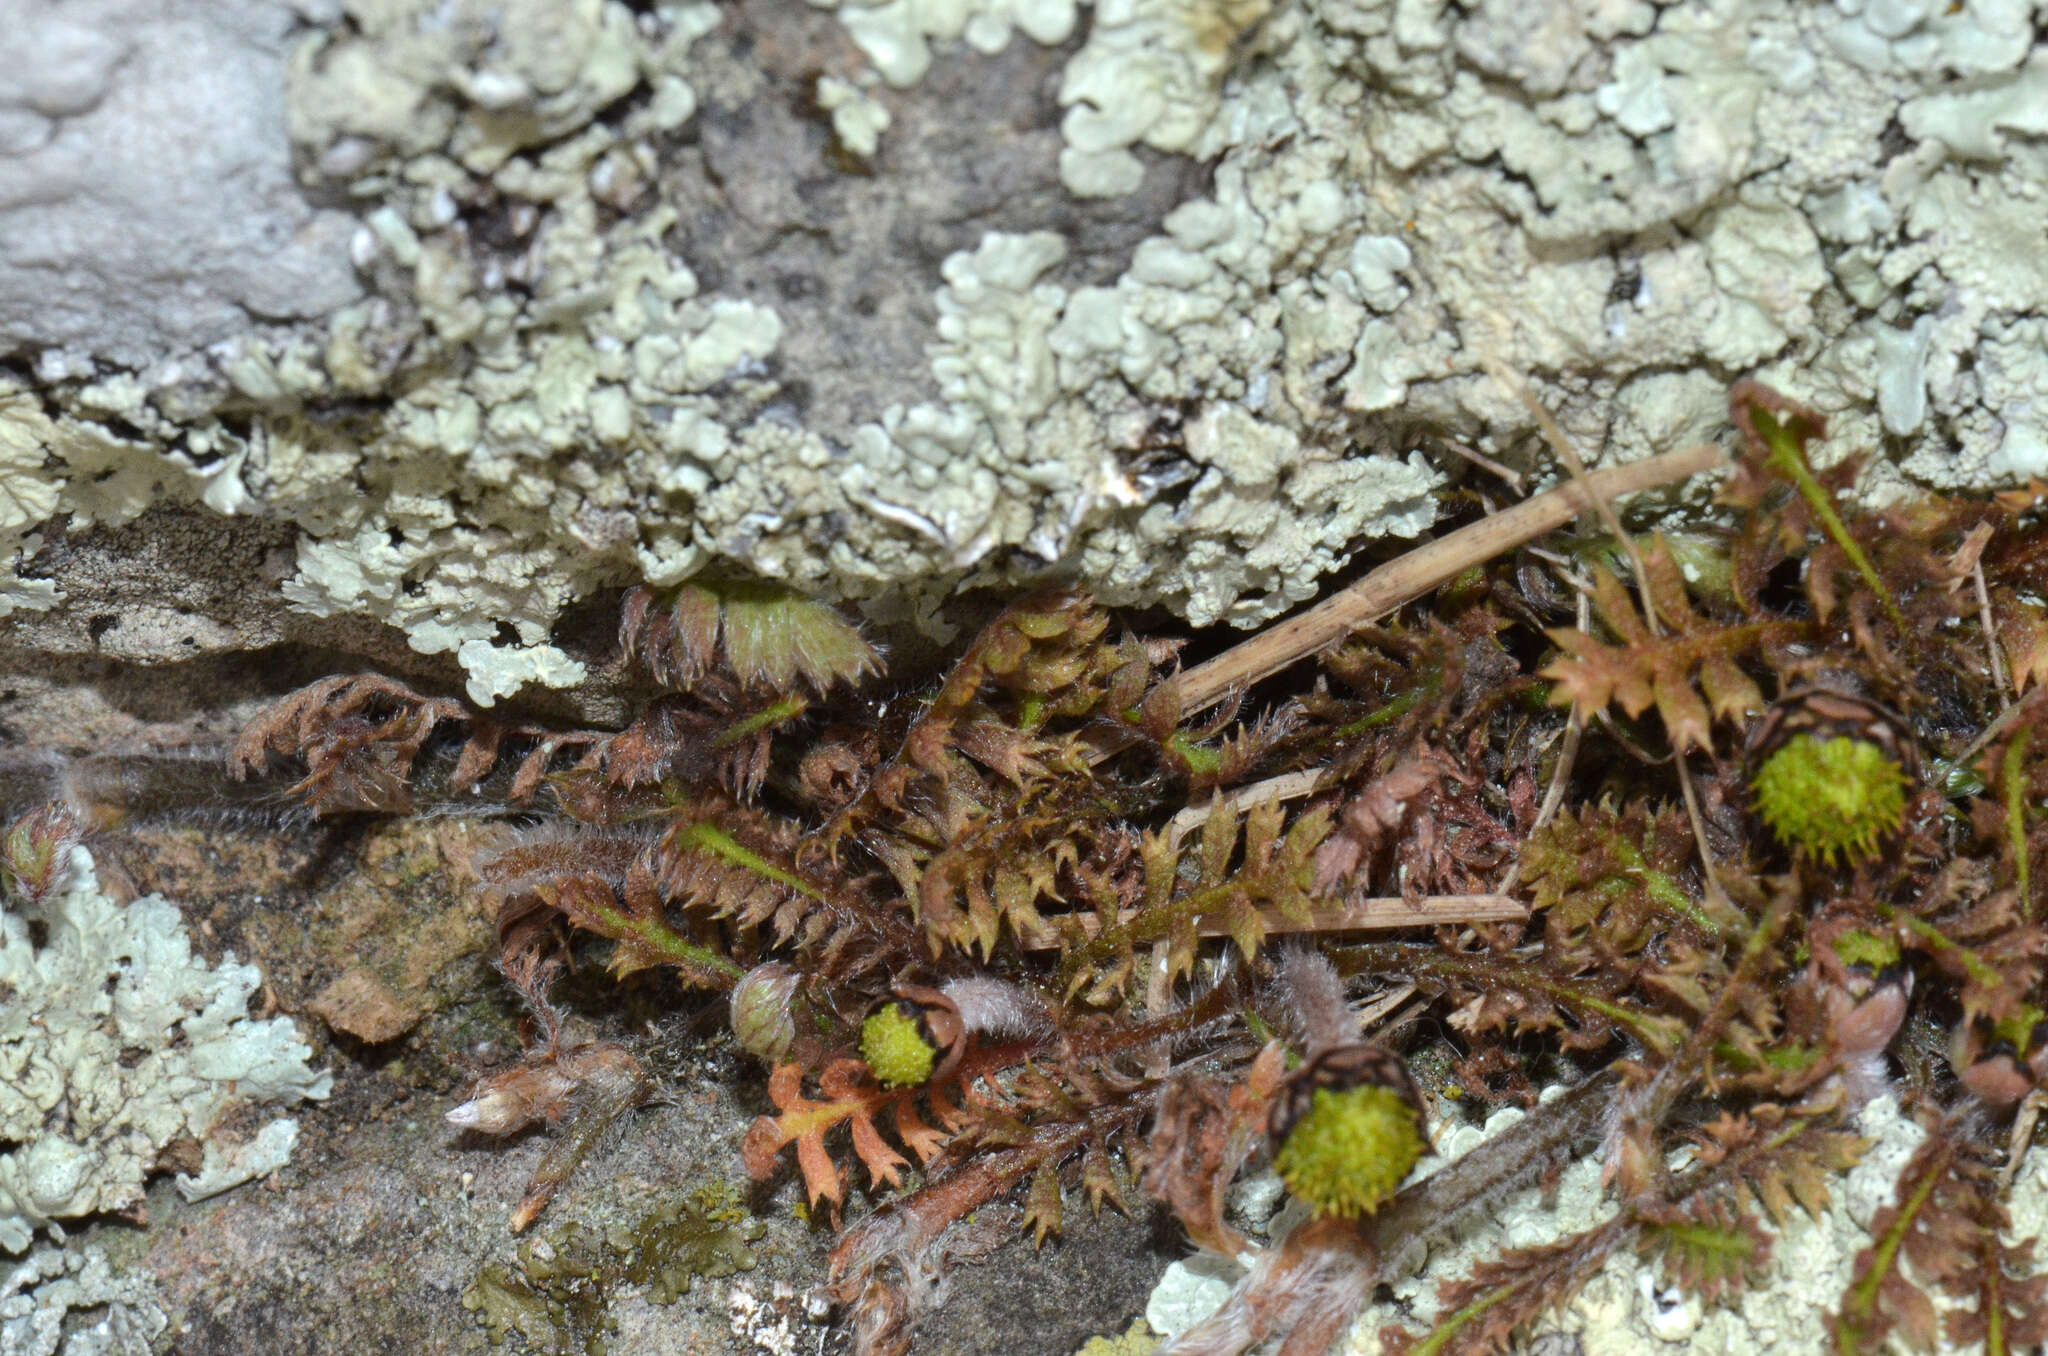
[1423, 962]
[108, 790]
[1220, 1000]
[1431, 1212]
[1359, 915]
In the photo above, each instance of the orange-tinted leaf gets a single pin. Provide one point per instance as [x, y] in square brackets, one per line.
[1042, 1204]
[2023, 632]
[919, 1138]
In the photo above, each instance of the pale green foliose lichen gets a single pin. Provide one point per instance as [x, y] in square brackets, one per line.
[116, 1040]
[858, 119]
[1919, 35]
[96, 476]
[1150, 73]
[1628, 202]
[28, 495]
[898, 35]
[1192, 1289]
[617, 350]
[58, 1301]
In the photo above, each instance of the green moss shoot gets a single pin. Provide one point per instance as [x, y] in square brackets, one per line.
[1872, 950]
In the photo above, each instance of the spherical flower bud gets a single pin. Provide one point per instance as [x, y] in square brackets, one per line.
[764, 1011]
[35, 852]
[1829, 771]
[894, 1043]
[1348, 1126]
[1834, 799]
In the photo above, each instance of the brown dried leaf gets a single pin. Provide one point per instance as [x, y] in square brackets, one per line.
[358, 735]
[1376, 813]
[2023, 634]
[1201, 1135]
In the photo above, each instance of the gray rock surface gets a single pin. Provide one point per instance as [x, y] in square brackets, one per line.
[147, 205]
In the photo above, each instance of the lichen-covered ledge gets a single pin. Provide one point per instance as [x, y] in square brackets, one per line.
[581, 296]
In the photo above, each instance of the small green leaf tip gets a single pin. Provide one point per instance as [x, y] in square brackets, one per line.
[775, 635]
[1834, 799]
[1873, 951]
[1351, 1150]
[763, 633]
[895, 1048]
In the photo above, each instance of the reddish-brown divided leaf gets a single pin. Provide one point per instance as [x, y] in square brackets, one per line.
[802, 1123]
[852, 1098]
[1668, 671]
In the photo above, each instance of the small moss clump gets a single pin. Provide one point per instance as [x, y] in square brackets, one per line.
[1832, 799]
[708, 1236]
[895, 1047]
[1873, 951]
[559, 1297]
[1351, 1150]
[2020, 1029]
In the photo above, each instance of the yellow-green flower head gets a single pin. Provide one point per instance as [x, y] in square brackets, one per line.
[1834, 799]
[1351, 1150]
[893, 1043]
[1348, 1127]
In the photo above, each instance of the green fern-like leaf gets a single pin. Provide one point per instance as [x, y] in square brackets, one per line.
[1708, 1248]
[1945, 1234]
[1238, 877]
[1609, 876]
[1483, 1312]
[1770, 1160]
[762, 633]
[739, 865]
